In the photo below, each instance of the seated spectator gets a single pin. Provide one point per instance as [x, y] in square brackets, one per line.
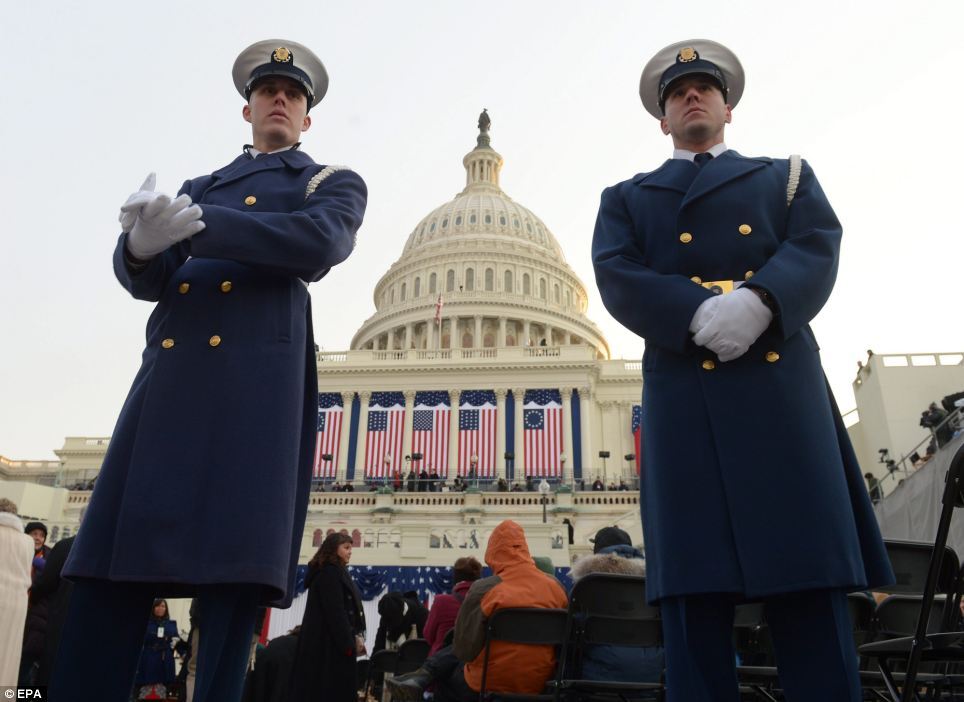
[445, 608]
[613, 552]
[597, 485]
[516, 487]
[273, 667]
[513, 668]
[402, 617]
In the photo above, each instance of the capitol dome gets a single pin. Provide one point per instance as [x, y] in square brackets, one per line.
[499, 273]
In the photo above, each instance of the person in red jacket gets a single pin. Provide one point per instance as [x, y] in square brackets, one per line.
[445, 608]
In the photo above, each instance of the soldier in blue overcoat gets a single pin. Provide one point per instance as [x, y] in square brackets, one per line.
[220, 420]
[751, 490]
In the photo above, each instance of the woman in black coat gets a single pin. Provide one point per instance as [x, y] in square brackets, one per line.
[333, 628]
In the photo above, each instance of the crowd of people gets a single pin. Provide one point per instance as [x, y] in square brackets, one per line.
[432, 482]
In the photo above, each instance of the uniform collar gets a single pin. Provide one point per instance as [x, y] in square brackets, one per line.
[254, 153]
[716, 150]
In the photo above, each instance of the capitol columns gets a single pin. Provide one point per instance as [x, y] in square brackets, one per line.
[526, 333]
[585, 428]
[409, 416]
[346, 400]
[501, 343]
[477, 336]
[518, 394]
[567, 434]
[500, 394]
[364, 396]
[455, 339]
[454, 397]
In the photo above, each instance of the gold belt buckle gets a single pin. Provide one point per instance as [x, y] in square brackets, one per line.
[722, 287]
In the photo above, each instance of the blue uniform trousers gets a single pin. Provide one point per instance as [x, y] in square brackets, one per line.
[102, 638]
[812, 638]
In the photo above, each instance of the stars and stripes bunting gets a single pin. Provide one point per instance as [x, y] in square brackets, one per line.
[637, 430]
[330, 415]
[477, 428]
[430, 430]
[383, 441]
[542, 427]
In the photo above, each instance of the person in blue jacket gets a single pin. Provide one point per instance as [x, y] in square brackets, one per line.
[155, 670]
[221, 418]
[750, 488]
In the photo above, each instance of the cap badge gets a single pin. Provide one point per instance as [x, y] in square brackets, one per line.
[687, 54]
[281, 55]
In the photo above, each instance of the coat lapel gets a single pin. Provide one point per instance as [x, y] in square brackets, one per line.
[675, 174]
[720, 171]
[244, 166]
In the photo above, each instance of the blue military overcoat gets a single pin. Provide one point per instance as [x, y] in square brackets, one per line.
[221, 418]
[750, 483]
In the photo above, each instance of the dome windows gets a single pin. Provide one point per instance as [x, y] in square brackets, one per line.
[488, 219]
[432, 283]
[515, 222]
[528, 227]
[432, 228]
[542, 288]
[401, 296]
[417, 288]
[502, 220]
[469, 279]
[507, 282]
[472, 219]
[458, 220]
[450, 280]
[526, 284]
[489, 280]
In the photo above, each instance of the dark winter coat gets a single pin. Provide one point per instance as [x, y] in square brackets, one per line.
[157, 657]
[398, 613]
[57, 591]
[221, 419]
[749, 483]
[273, 667]
[617, 663]
[325, 659]
[38, 606]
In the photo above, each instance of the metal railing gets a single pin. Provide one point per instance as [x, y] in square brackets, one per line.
[900, 469]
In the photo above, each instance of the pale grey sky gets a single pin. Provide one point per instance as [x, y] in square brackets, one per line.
[99, 94]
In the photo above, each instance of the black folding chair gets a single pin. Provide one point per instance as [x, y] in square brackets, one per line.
[608, 610]
[536, 626]
[411, 655]
[380, 662]
[942, 577]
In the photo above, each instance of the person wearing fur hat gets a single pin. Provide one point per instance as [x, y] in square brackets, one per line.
[613, 552]
[16, 550]
[35, 629]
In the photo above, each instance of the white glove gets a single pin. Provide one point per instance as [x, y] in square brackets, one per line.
[739, 320]
[162, 223]
[130, 209]
[704, 313]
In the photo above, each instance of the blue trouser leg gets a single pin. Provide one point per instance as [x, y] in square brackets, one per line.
[698, 637]
[227, 614]
[101, 642]
[814, 644]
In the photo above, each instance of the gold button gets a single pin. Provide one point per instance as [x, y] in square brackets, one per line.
[183, 288]
[168, 343]
[226, 286]
[747, 275]
[250, 200]
[708, 365]
[696, 279]
[214, 340]
[772, 357]
[745, 229]
[686, 237]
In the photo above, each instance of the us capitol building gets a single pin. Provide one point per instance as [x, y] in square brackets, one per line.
[480, 316]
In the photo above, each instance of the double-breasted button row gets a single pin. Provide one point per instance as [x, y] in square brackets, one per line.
[226, 286]
[212, 342]
[771, 357]
[744, 229]
[250, 200]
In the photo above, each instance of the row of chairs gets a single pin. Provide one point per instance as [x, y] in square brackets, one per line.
[607, 609]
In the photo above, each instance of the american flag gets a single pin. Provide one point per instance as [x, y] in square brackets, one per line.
[430, 431]
[542, 426]
[637, 430]
[438, 309]
[330, 413]
[386, 417]
[477, 427]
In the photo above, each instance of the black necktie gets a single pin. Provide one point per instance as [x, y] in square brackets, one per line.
[702, 159]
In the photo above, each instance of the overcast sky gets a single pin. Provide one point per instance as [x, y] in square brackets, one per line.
[99, 94]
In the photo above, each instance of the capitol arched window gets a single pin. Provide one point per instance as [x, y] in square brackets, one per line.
[502, 221]
[542, 288]
[472, 219]
[488, 219]
[526, 284]
[450, 281]
[555, 292]
[489, 279]
[515, 223]
[418, 288]
[470, 279]
[528, 227]
[568, 298]
[507, 282]
[432, 228]
[391, 296]
[401, 296]
[432, 283]
[445, 223]
[458, 220]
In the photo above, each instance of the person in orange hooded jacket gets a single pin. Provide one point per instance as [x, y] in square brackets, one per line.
[513, 668]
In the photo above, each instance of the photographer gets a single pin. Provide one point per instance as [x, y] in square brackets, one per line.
[932, 418]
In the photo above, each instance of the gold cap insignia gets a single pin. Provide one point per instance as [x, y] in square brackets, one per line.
[281, 55]
[687, 54]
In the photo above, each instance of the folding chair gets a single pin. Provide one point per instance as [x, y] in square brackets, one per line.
[524, 625]
[411, 655]
[380, 662]
[608, 610]
[942, 577]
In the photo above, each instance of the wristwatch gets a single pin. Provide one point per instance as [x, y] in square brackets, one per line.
[766, 299]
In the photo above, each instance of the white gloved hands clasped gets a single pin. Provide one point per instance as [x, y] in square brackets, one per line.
[730, 323]
[158, 222]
